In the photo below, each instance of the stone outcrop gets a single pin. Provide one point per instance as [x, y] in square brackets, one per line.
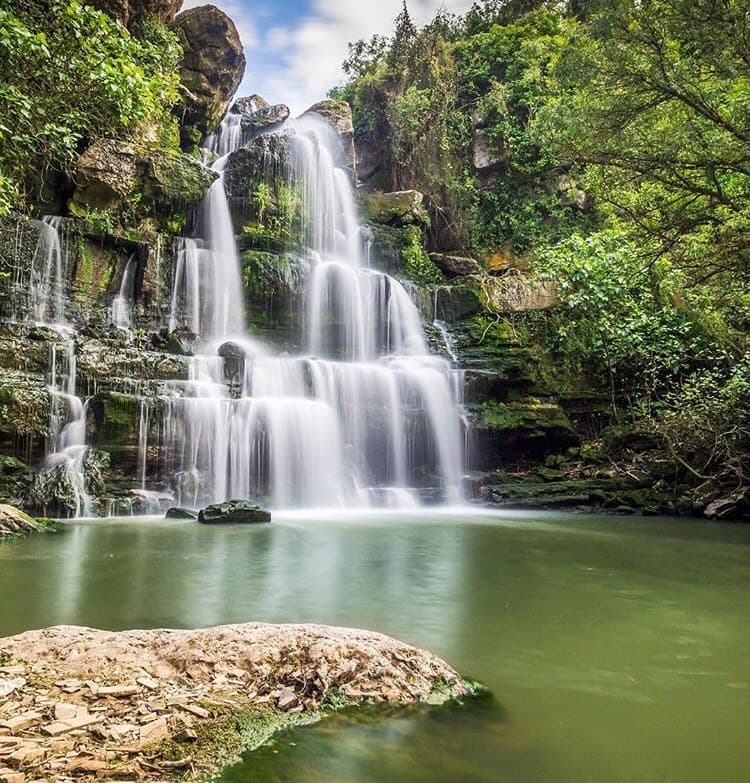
[455, 266]
[234, 512]
[212, 68]
[258, 115]
[487, 158]
[399, 208]
[111, 172]
[76, 702]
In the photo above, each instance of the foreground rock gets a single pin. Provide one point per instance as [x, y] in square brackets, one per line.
[81, 704]
[13, 521]
[234, 512]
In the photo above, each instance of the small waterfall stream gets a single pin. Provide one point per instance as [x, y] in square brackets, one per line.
[366, 417]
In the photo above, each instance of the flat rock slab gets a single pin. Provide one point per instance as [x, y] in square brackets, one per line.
[116, 704]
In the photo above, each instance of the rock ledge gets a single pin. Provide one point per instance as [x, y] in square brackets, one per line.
[80, 704]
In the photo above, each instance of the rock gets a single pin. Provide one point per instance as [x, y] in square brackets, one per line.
[234, 367]
[455, 266]
[182, 342]
[213, 65]
[258, 115]
[234, 512]
[338, 114]
[733, 506]
[180, 513]
[485, 155]
[13, 521]
[250, 105]
[110, 172]
[132, 12]
[508, 432]
[399, 208]
[106, 175]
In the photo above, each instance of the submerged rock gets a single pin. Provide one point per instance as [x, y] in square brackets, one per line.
[234, 512]
[213, 65]
[181, 513]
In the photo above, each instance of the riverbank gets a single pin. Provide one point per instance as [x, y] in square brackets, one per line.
[82, 704]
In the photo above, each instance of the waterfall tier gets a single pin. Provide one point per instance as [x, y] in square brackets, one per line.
[365, 417]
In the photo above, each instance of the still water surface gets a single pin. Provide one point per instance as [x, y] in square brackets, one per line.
[618, 650]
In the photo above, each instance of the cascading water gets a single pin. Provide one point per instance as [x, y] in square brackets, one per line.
[367, 417]
[120, 309]
[68, 426]
[47, 283]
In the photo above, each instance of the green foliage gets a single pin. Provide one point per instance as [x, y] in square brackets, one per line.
[708, 422]
[417, 264]
[69, 73]
[654, 101]
[624, 320]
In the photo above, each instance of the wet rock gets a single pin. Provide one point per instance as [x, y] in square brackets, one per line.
[455, 266]
[399, 208]
[234, 512]
[234, 367]
[182, 342]
[733, 506]
[258, 115]
[212, 67]
[338, 114]
[507, 432]
[181, 513]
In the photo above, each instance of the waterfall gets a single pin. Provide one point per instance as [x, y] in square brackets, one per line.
[68, 426]
[47, 283]
[120, 309]
[367, 416]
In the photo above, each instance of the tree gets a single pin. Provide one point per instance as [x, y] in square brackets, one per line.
[654, 99]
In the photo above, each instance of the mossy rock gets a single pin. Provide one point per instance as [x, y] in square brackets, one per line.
[508, 432]
[400, 251]
[400, 208]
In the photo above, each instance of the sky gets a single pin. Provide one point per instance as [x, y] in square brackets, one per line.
[295, 48]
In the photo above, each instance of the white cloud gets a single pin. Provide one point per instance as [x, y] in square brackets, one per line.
[299, 63]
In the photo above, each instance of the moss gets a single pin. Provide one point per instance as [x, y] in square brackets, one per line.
[418, 266]
[529, 413]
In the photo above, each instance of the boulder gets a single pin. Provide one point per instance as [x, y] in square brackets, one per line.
[213, 65]
[733, 506]
[338, 114]
[402, 207]
[249, 105]
[106, 175]
[110, 172]
[234, 512]
[181, 513]
[234, 367]
[258, 115]
[132, 12]
[455, 266]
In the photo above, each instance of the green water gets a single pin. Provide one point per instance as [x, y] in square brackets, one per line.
[618, 650]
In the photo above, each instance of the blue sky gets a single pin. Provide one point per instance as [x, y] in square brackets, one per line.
[295, 48]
